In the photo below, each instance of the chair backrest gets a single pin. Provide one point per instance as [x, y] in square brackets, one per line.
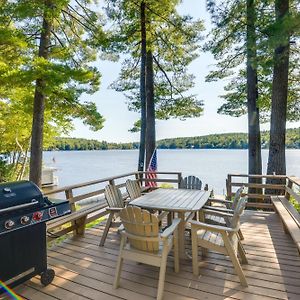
[133, 189]
[113, 196]
[237, 197]
[190, 182]
[239, 210]
[140, 223]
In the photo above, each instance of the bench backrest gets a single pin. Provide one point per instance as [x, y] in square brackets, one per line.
[140, 223]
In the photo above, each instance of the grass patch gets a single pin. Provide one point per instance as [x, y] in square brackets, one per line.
[166, 186]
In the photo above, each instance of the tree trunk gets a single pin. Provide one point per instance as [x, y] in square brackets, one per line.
[276, 160]
[143, 89]
[254, 140]
[36, 153]
[150, 108]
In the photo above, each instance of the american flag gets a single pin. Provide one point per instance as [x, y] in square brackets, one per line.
[152, 168]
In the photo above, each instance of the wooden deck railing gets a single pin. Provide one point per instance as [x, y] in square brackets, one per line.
[95, 189]
[82, 215]
[288, 185]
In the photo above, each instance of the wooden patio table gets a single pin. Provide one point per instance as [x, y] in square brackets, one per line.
[180, 201]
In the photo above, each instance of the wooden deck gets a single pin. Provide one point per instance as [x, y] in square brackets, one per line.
[86, 271]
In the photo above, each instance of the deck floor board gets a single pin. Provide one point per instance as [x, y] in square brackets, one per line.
[86, 271]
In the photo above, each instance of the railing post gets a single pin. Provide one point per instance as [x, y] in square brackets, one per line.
[112, 182]
[69, 197]
[289, 185]
[179, 179]
[229, 187]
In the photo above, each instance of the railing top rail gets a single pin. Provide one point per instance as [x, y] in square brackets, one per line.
[162, 173]
[295, 180]
[93, 182]
[259, 176]
[84, 184]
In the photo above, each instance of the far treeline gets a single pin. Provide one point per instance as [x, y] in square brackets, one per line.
[212, 141]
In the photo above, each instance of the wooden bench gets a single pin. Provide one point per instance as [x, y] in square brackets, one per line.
[78, 220]
[290, 217]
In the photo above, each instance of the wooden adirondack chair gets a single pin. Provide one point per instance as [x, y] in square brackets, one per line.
[142, 242]
[190, 182]
[220, 215]
[115, 203]
[133, 188]
[220, 239]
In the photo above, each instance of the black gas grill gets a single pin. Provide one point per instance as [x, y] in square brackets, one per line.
[23, 213]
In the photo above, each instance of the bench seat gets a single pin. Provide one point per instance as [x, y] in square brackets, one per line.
[78, 219]
[289, 216]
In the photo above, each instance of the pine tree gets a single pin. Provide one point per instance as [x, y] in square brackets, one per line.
[172, 41]
[61, 43]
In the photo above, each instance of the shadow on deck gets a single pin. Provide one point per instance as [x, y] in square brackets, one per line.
[86, 271]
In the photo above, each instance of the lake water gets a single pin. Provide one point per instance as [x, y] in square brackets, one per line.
[211, 166]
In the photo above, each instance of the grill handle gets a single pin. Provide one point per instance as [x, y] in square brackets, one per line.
[26, 205]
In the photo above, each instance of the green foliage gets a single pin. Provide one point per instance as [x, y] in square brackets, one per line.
[76, 33]
[227, 43]
[173, 41]
[227, 141]
[85, 144]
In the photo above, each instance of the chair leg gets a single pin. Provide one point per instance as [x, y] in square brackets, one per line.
[203, 252]
[162, 274]
[242, 253]
[237, 266]
[176, 252]
[195, 253]
[119, 264]
[107, 226]
[169, 218]
[240, 234]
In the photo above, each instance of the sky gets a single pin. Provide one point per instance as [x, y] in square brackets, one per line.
[112, 105]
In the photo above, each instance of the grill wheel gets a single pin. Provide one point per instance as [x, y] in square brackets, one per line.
[47, 277]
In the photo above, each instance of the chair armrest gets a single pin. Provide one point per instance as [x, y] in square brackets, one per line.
[162, 215]
[169, 230]
[222, 212]
[219, 200]
[217, 212]
[210, 227]
[114, 209]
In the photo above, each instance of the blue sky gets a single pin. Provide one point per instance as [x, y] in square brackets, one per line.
[112, 105]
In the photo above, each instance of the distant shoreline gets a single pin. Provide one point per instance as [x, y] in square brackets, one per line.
[73, 150]
[212, 141]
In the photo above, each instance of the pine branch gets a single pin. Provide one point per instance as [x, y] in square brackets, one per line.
[167, 77]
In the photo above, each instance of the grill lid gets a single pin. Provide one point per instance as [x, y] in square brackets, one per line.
[20, 193]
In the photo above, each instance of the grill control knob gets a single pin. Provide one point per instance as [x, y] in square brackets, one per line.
[25, 220]
[9, 224]
[37, 216]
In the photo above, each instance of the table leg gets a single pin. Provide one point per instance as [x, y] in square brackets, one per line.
[181, 235]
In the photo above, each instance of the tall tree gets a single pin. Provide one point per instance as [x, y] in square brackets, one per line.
[234, 45]
[150, 108]
[276, 160]
[142, 147]
[173, 42]
[254, 139]
[36, 155]
[62, 42]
